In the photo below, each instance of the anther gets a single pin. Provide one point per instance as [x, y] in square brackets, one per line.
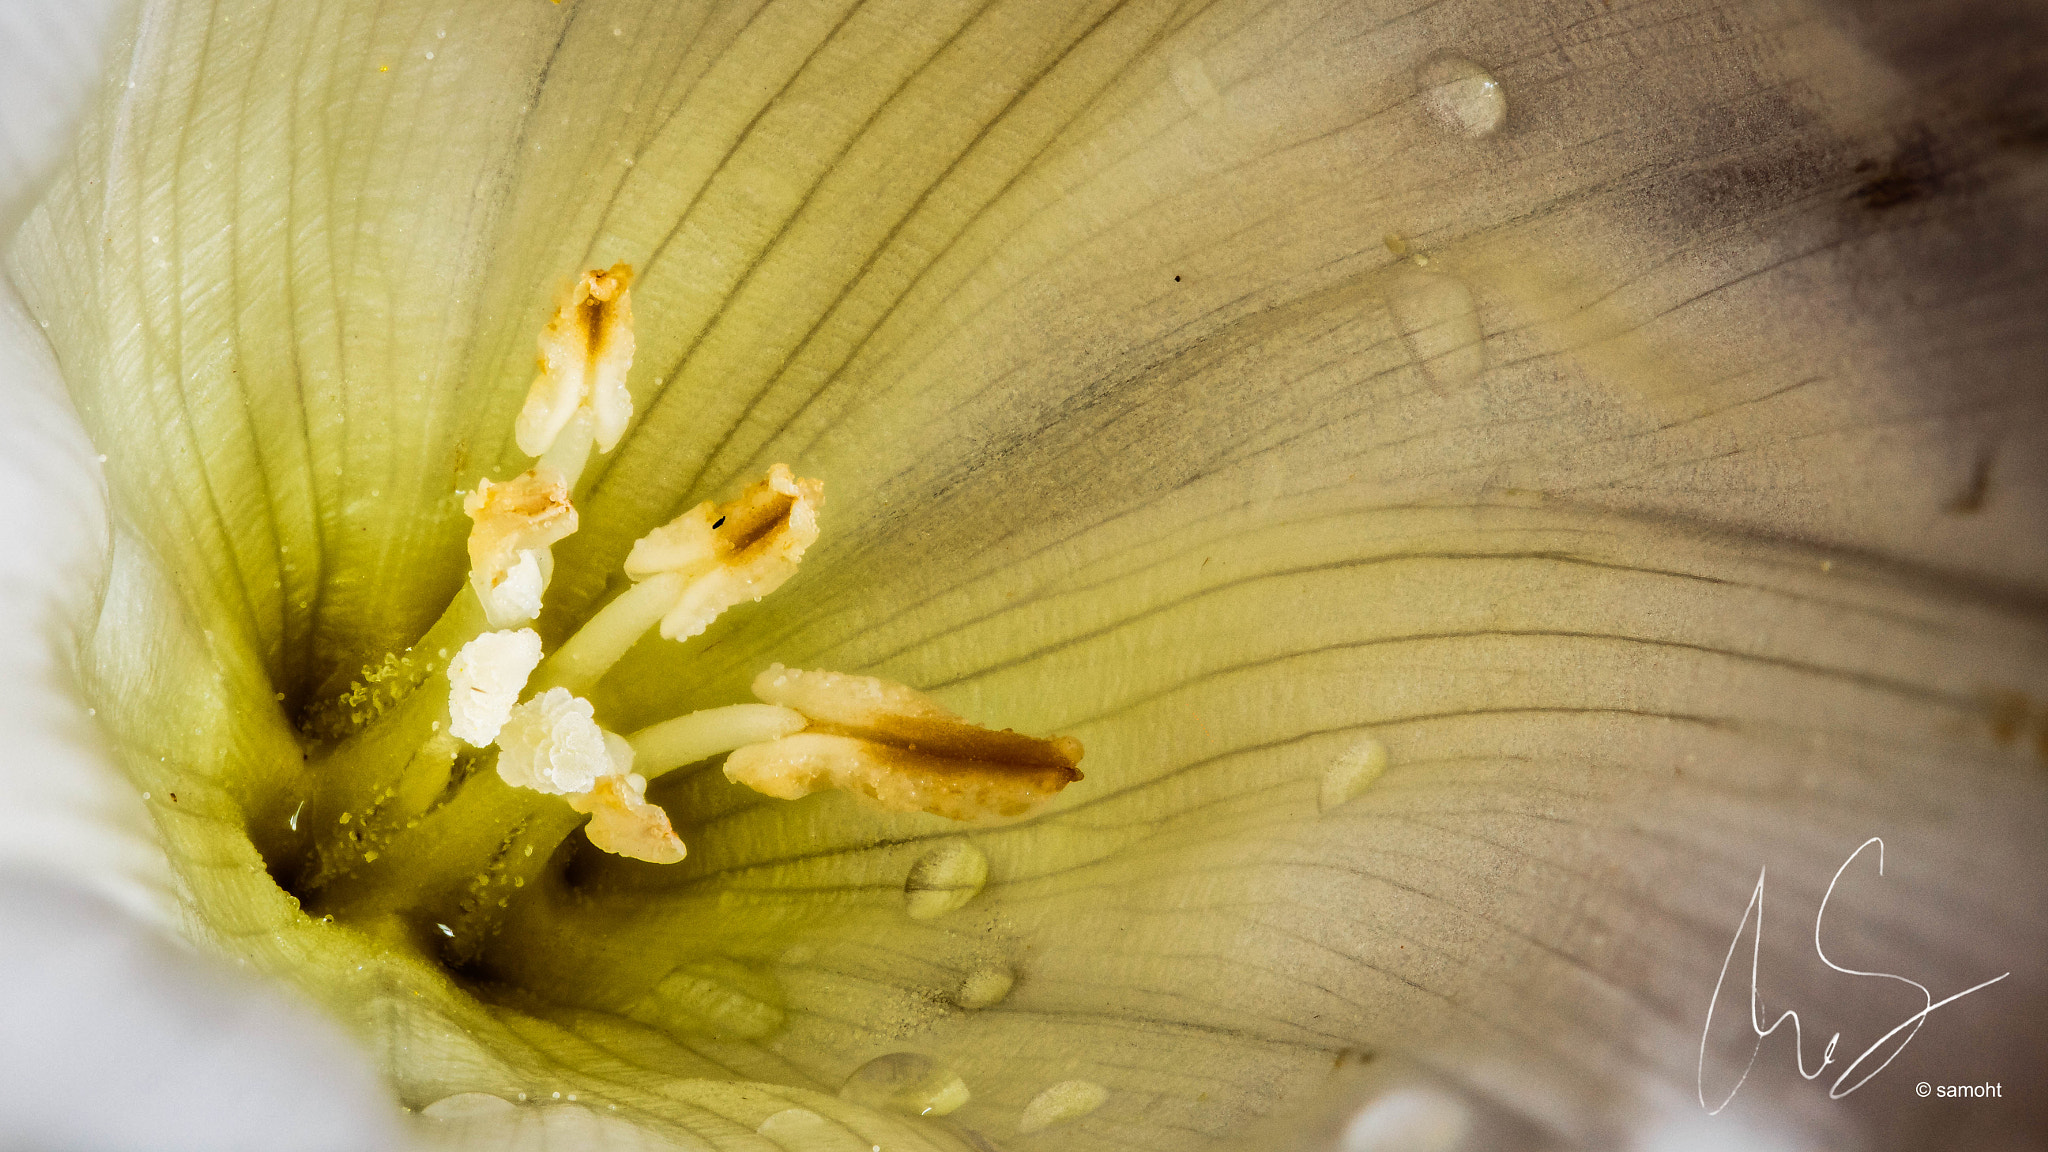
[692, 569]
[623, 823]
[899, 748]
[552, 744]
[724, 554]
[516, 522]
[585, 352]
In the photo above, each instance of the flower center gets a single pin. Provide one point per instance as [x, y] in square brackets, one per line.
[450, 779]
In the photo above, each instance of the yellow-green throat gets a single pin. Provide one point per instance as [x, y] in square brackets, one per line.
[452, 775]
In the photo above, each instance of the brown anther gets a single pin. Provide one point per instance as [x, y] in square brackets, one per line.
[728, 553]
[515, 522]
[585, 352]
[899, 748]
[623, 823]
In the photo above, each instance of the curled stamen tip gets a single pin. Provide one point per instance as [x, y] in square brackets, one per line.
[584, 354]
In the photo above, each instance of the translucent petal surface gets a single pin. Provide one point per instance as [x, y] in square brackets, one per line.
[82, 827]
[1655, 475]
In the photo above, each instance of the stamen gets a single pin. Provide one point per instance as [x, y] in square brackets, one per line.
[900, 749]
[484, 682]
[623, 823]
[401, 826]
[730, 553]
[585, 352]
[517, 520]
[552, 744]
[570, 452]
[669, 745]
[694, 568]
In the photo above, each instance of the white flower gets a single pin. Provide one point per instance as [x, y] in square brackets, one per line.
[1651, 474]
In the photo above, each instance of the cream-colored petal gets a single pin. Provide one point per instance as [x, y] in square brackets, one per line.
[1689, 440]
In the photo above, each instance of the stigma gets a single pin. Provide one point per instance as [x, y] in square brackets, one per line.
[552, 744]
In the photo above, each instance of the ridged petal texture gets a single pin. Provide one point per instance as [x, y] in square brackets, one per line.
[1651, 465]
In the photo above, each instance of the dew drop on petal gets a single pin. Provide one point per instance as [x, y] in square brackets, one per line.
[1064, 1101]
[1352, 773]
[906, 1082]
[984, 987]
[578, 1126]
[1462, 96]
[944, 879]
[795, 1127]
[464, 1105]
[1408, 1120]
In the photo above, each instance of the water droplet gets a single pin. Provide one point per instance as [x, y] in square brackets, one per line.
[984, 987]
[796, 1127]
[1064, 1101]
[944, 879]
[906, 1082]
[466, 1105]
[1408, 1120]
[719, 997]
[1462, 96]
[1438, 322]
[1352, 773]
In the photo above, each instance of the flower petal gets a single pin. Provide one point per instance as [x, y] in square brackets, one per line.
[54, 55]
[1677, 517]
[116, 1039]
